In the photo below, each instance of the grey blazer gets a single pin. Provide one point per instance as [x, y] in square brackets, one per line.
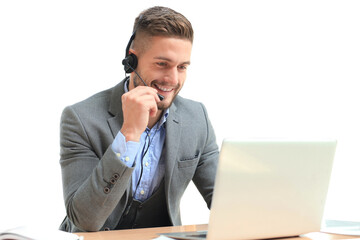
[97, 186]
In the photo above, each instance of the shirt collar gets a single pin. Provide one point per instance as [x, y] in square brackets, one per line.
[126, 84]
[163, 119]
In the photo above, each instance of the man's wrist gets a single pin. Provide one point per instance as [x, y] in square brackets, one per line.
[130, 135]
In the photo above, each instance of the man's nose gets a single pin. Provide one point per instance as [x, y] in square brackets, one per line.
[171, 76]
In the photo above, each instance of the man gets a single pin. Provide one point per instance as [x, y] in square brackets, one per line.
[126, 155]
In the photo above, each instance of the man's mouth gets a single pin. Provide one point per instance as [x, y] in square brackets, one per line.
[163, 88]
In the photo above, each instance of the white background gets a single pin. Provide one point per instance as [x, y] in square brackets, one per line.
[279, 69]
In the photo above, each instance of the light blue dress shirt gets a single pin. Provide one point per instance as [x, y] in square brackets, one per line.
[145, 153]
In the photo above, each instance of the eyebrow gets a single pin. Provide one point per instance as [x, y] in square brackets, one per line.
[169, 60]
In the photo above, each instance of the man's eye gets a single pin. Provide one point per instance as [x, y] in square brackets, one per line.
[182, 67]
[161, 64]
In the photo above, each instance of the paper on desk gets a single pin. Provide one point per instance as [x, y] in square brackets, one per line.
[36, 233]
[162, 237]
[350, 231]
[341, 227]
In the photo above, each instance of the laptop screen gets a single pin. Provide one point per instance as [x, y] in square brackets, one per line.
[268, 189]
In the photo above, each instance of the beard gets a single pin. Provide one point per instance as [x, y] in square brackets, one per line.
[162, 105]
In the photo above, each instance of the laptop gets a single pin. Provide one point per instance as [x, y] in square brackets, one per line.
[268, 189]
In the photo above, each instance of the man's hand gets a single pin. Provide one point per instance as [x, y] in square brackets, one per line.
[138, 106]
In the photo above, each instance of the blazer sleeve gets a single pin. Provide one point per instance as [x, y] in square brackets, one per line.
[204, 177]
[92, 185]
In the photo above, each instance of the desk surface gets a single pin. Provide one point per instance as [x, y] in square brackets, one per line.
[151, 233]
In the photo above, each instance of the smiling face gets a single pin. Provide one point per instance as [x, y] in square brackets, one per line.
[163, 65]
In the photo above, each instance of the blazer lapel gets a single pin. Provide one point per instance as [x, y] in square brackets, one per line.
[172, 140]
[115, 108]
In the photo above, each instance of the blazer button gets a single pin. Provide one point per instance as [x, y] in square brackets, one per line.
[116, 176]
[112, 181]
[106, 190]
[106, 229]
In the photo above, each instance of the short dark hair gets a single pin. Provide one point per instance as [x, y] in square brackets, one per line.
[163, 21]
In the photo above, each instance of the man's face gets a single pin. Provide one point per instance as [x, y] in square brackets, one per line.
[163, 66]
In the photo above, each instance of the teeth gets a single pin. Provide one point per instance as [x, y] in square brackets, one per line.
[164, 89]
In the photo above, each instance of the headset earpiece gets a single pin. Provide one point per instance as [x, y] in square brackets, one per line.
[130, 63]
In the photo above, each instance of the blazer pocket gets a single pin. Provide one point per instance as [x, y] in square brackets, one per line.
[188, 162]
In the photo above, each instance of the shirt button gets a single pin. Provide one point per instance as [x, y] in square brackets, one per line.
[127, 159]
[118, 154]
[146, 164]
[142, 192]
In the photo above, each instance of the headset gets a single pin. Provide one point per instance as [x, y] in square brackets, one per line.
[130, 61]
